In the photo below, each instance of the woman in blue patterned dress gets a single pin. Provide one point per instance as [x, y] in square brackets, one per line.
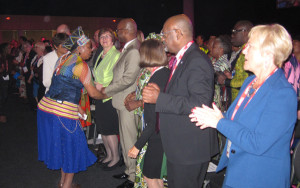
[61, 140]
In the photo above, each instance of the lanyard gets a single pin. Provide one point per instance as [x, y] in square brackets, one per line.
[179, 57]
[242, 98]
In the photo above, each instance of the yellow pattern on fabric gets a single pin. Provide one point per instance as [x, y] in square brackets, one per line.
[82, 71]
[140, 181]
[239, 77]
[64, 109]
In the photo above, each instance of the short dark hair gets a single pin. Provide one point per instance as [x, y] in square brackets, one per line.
[46, 41]
[152, 53]
[245, 23]
[29, 42]
[202, 36]
[48, 49]
[23, 38]
[103, 30]
[59, 39]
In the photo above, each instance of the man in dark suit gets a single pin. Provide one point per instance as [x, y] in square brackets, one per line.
[191, 83]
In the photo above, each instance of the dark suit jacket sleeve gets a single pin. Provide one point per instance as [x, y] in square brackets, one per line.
[197, 89]
[160, 78]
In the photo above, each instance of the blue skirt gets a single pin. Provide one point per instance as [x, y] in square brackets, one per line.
[62, 143]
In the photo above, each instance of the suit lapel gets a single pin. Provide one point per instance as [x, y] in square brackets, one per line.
[132, 45]
[263, 90]
[181, 65]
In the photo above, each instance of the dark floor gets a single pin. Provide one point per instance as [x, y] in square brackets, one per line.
[19, 165]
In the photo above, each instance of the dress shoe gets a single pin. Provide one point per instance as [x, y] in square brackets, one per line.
[110, 168]
[102, 164]
[126, 184]
[121, 176]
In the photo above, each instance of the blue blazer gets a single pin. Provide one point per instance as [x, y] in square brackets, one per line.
[260, 136]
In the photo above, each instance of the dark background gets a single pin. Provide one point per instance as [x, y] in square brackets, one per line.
[211, 17]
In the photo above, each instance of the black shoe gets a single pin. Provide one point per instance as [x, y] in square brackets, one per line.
[126, 184]
[102, 164]
[109, 168]
[121, 176]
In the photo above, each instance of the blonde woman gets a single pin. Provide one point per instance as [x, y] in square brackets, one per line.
[260, 122]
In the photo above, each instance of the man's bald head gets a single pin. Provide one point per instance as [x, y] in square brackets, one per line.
[127, 30]
[63, 28]
[183, 23]
[177, 32]
[130, 25]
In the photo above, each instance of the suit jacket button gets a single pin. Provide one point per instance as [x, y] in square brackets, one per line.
[233, 151]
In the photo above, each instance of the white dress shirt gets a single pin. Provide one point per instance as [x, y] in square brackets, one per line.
[49, 62]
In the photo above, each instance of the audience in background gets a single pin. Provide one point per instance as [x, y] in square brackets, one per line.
[96, 38]
[209, 45]
[5, 62]
[239, 38]
[39, 49]
[28, 67]
[28, 56]
[51, 58]
[200, 42]
[63, 28]
[96, 52]
[221, 54]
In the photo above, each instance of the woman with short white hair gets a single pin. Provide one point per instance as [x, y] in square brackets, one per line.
[260, 122]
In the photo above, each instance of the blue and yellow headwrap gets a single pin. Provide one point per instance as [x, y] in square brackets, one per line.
[77, 38]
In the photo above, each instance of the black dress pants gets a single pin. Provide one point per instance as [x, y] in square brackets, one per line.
[186, 176]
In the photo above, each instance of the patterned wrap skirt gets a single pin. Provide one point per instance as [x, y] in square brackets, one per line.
[61, 140]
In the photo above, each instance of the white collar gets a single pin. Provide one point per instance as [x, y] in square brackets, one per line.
[127, 43]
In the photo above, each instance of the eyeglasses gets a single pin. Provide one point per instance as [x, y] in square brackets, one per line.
[120, 30]
[105, 37]
[234, 31]
[164, 34]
